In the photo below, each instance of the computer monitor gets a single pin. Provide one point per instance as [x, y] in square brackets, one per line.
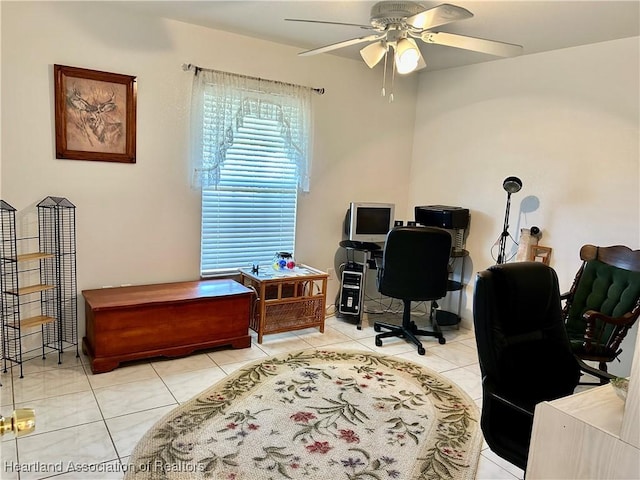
[369, 222]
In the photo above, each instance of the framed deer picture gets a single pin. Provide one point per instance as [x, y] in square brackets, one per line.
[95, 115]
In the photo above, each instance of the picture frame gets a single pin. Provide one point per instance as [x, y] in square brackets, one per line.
[539, 253]
[95, 115]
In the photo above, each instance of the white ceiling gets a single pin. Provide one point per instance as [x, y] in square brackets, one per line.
[536, 25]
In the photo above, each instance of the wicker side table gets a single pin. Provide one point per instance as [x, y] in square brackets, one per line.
[288, 300]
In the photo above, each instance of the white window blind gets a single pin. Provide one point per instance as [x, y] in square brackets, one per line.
[251, 213]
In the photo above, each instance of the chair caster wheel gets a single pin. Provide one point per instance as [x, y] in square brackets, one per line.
[378, 342]
[376, 328]
[421, 351]
[442, 340]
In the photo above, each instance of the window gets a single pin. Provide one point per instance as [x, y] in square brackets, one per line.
[250, 143]
[251, 214]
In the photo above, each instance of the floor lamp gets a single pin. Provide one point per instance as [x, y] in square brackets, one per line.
[511, 185]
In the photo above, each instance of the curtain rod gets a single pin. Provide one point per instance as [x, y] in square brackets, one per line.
[189, 66]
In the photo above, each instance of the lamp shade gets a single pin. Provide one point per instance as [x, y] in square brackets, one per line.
[372, 54]
[512, 184]
[407, 56]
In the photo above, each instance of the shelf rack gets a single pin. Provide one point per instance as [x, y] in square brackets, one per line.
[38, 288]
[57, 227]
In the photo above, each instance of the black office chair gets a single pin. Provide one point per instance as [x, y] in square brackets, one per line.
[524, 351]
[414, 267]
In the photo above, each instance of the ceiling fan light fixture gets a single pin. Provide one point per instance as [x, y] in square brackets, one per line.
[407, 56]
[398, 24]
[373, 53]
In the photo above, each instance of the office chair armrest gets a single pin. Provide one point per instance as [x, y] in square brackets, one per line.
[489, 386]
[596, 372]
[511, 404]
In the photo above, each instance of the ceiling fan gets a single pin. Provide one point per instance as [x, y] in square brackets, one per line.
[397, 24]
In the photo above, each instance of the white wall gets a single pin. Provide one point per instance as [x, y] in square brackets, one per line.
[141, 223]
[564, 122]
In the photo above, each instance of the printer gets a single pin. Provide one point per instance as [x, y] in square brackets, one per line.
[455, 219]
[442, 216]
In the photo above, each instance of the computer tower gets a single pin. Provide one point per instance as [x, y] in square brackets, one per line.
[351, 289]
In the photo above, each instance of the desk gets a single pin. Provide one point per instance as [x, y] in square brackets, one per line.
[370, 253]
[592, 434]
[579, 437]
[287, 300]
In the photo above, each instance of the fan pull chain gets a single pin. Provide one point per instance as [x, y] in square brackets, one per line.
[393, 77]
[384, 74]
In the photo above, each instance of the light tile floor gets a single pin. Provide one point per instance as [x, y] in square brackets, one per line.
[87, 425]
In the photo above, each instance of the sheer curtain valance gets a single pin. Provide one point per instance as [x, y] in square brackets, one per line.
[220, 104]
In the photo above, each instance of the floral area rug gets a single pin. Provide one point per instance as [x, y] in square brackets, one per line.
[323, 414]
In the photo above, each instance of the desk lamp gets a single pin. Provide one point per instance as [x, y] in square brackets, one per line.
[511, 185]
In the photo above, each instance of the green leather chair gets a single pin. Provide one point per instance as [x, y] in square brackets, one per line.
[603, 303]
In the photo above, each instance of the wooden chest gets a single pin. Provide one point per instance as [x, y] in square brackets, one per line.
[168, 319]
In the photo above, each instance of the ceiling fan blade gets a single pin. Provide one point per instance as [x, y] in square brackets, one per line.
[365, 27]
[491, 47]
[344, 43]
[440, 15]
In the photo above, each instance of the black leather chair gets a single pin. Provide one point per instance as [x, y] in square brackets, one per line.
[525, 355]
[414, 267]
